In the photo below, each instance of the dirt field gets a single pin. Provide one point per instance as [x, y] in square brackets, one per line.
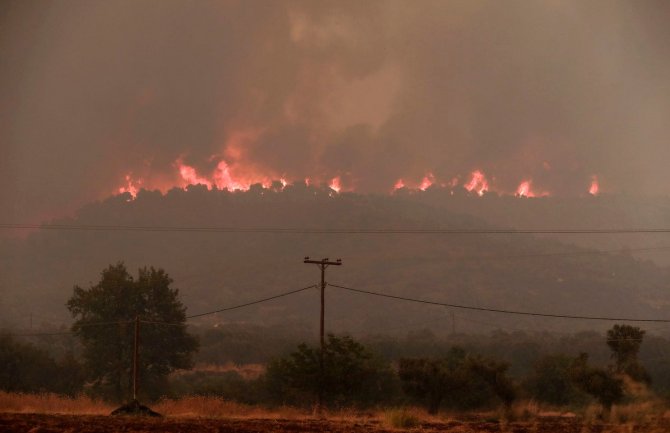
[34, 423]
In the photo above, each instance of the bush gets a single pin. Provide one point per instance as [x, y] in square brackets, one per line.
[458, 381]
[551, 381]
[353, 375]
[24, 368]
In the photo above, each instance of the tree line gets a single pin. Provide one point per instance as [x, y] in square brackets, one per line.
[354, 374]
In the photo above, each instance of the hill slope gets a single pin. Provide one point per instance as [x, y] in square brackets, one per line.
[217, 269]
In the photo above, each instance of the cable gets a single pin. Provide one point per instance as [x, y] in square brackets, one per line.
[293, 230]
[566, 254]
[252, 302]
[495, 310]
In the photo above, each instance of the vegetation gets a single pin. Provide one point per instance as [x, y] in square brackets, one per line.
[25, 368]
[113, 303]
[598, 382]
[625, 342]
[457, 380]
[352, 375]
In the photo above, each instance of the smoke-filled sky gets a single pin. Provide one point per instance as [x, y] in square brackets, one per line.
[231, 92]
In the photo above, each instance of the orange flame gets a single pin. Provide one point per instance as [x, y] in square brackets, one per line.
[131, 186]
[524, 189]
[427, 181]
[595, 186]
[477, 183]
[335, 184]
[398, 185]
[190, 175]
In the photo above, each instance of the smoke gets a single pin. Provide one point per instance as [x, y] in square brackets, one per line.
[554, 91]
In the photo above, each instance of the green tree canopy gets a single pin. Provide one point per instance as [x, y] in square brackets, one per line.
[104, 314]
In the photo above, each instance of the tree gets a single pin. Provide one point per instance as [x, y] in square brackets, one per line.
[625, 342]
[432, 380]
[352, 374]
[457, 380]
[25, 368]
[550, 381]
[104, 314]
[600, 383]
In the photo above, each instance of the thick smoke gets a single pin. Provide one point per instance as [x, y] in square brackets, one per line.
[552, 91]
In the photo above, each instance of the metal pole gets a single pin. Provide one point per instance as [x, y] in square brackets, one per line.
[136, 347]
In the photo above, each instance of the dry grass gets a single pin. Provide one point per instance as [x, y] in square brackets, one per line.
[51, 404]
[214, 407]
[649, 412]
[247, 371]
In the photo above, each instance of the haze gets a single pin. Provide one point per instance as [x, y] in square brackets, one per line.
[554, 92]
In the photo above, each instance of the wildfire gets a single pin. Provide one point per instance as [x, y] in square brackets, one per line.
[235, 176]
[131, 186]
[477, 183]
[524, 189]
[335, 184]
[190, 175]
[595, 186]
[427, 181]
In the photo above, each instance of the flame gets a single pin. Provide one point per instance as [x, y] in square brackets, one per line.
[524, 189]
[595, 186]
[190, 175]
[131, 186]
[477, 183]
[398, 185]
[427, 181]
[224, 180]
[335, 184]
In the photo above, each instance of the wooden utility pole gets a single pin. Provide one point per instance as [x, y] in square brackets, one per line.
[322, 264]
[136, 352]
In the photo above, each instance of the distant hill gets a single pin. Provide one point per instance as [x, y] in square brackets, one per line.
[520, 272]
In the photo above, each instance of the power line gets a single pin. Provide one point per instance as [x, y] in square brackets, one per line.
[495, 310]
[153, 322]
[295, 230]
[234, 307]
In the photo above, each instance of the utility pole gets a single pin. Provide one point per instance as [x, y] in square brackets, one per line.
[322, 264]
[136, 349]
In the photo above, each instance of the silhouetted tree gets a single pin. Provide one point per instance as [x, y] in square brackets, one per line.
[456, 380]
[550, 381]
[25, 368]
[117, 297]
[352, 374]
[598, 382]
[432, 380]
[625, 342]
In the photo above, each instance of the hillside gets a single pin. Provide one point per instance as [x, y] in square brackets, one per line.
[218, 269]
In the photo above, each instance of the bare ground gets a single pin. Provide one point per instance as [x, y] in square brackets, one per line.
[37, 423]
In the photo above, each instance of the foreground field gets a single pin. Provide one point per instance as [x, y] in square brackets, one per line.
[34, 423]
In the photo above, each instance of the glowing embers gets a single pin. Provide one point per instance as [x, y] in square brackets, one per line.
[594, 189]
[477, 183]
